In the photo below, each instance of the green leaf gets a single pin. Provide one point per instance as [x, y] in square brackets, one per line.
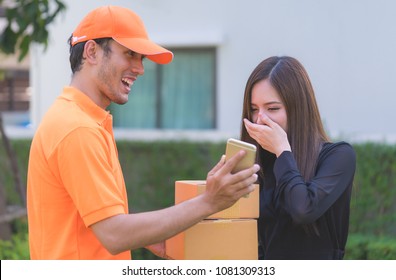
[24, 47]
[29, 20]
[8, 41]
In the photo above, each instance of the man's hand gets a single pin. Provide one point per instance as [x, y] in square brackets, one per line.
[159, 249]
[223, 188]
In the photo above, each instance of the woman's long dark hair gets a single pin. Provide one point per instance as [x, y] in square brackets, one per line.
[305, 130]
[304, 125]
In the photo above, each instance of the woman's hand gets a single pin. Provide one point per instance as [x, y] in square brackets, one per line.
[268, 134]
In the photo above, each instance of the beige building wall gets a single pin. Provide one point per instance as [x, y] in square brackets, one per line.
[348, 48]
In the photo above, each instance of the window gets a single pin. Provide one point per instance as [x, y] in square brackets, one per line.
[179, 95]
[14, 95]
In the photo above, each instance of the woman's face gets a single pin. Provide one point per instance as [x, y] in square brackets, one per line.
[266, 101]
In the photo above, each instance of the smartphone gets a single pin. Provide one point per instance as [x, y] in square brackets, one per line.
[234, 146]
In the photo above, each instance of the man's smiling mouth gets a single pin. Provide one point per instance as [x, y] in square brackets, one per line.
[128, 82]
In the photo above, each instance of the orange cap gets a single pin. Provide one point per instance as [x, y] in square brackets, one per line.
[125, 27]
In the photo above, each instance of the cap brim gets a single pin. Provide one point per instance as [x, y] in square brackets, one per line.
[148, 48]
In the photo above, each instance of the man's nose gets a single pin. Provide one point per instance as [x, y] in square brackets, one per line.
[138, 67]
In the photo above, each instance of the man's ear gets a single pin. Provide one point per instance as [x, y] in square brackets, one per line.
[91, 52]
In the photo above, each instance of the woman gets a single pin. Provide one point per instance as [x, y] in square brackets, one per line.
[305, 180]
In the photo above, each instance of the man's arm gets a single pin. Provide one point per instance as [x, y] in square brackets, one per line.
[130, 231]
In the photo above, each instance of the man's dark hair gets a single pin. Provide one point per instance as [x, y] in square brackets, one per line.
[76, 52]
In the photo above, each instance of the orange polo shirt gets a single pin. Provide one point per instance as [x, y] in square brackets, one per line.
[74, 180]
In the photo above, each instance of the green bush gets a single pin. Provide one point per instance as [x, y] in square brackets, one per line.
[18, 247]
[356, 247]
[15, 249]
[151, 168]
[373, 206]
[370, 247]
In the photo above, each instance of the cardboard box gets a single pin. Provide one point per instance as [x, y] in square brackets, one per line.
[225, 239]
[245, 208]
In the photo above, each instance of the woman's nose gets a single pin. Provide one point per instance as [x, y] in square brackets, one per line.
[259, 117]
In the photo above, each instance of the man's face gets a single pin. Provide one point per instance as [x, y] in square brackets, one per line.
[118, 70]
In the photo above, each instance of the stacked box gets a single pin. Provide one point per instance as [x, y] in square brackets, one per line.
[246, 207]
[223, 239]
[230, 234]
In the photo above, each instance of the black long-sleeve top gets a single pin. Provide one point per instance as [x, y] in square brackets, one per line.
[306, 220]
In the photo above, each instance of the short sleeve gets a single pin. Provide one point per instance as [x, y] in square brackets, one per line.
[91, 174]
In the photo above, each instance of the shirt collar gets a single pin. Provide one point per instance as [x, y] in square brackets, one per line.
[86, 104]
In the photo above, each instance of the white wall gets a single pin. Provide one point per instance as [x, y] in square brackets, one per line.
[347, 46]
